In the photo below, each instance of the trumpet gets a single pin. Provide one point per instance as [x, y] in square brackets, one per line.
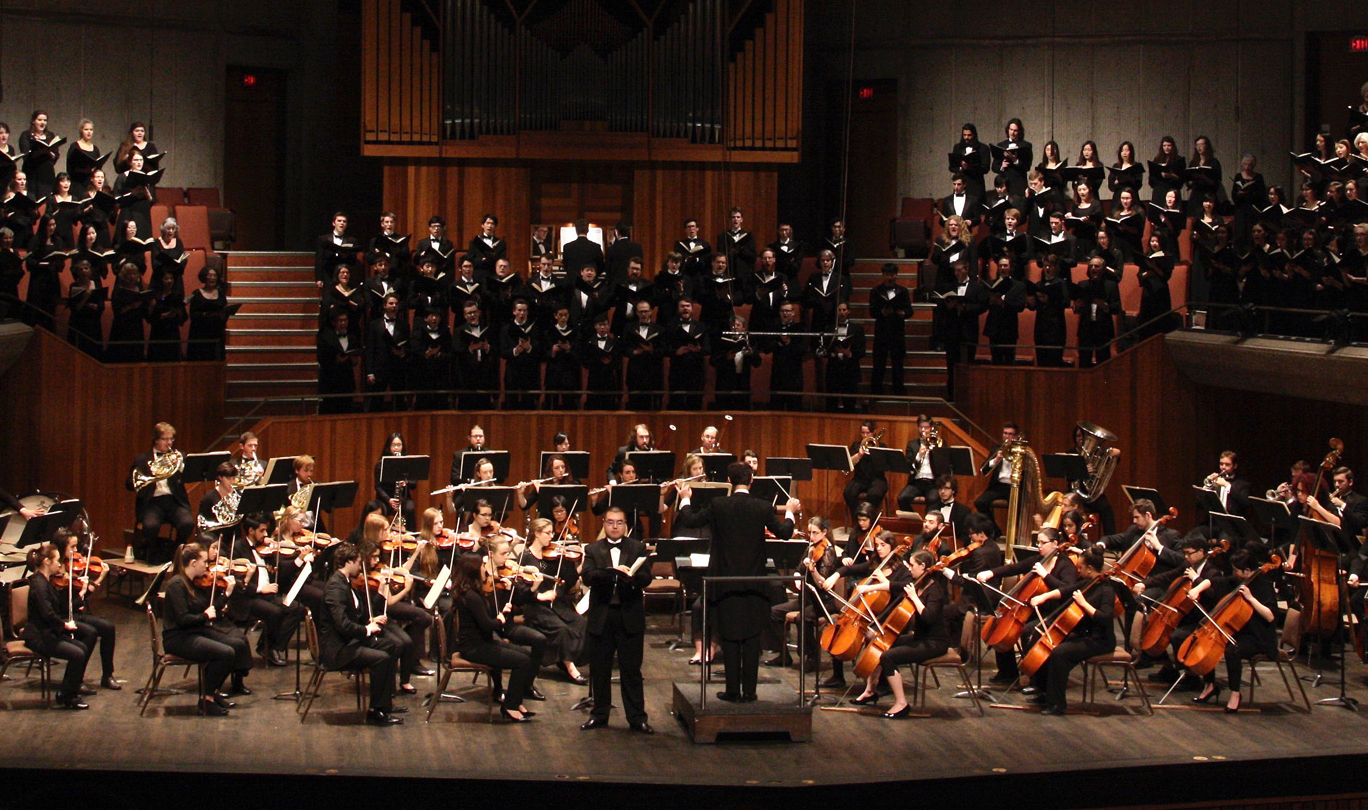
[1214, 482]
[1282, 493]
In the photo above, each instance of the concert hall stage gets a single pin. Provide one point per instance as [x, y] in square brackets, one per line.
[262, 756]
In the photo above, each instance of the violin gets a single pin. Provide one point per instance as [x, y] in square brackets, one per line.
[446, 539]
[81, 567]
[559, 550]
[568, 531]
[392, 579]
[318, 540]
[1205, 648]
[399, 541]
[1165, 617]
[223, 572]
[273, 548]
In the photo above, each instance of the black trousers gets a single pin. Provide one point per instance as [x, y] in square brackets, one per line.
[159, 510]
[397, 629]
[919, 488]
[530, 637]
[1245, 646]
[502, 654]
[76, 655]
[91, 629]
[1053, 677]
[742, 660]
[629, 649]
[281, 622]
[775, 629]
[910, 650]
[872, 492]
[1103, 508]
[221, 651]
[380, 655]
[889, 350]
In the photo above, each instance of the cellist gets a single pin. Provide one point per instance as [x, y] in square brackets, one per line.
[1203, 574]
[1163, 542]
[1093, 635]
[927, 638]
[987, 554]
[883, 571]
[819, 562]
[1056, 570]
[1257, 637]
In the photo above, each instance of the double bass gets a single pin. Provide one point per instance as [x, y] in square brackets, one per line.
[1320, 588]
[1205, 648]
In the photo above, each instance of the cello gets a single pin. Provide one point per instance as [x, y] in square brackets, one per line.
[1003, 629]
[867, 663]
[1320, 613]
[848, 629]
[1170, 611]
[1138, 560]
[1206, 646]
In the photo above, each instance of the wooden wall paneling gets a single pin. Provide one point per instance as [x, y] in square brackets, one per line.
[1072, 111]
[409, 76]
[1264, 96]
[794, 60]
[394, 73]
[384, 52]
[79, 436]
[1215, 105]
[772, 89]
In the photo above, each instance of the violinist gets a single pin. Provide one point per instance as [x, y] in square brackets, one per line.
[933, 534]
[349, 635]
[819, 563]
[868, 483]
[927, 638]
[477, 636]
[552, 610]
[882, 571]
[261, 597]
[1093, 635]
[510, 592]
[565, 527]
[291, 549]
[986, 555]
[371, 507]
[89, 626]
[193, 630]
[1257, 637]
[48, 632]
[1056, 570]
[439, 548]
[859, 543]
[1203, 574]
[391, 494]
[408, 623]
[921, 482]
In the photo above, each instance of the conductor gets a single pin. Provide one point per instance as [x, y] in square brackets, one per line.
[738, 524]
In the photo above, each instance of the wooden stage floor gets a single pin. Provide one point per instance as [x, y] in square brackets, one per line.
[998, 760]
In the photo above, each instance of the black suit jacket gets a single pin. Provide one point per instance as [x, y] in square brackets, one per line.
[342, 624]
[583, 250]
[45, 621]
[973, 209]
[328, 255]
[379, 355]
[175, 483]
[737, 549]
[602, 580]
[617, 255]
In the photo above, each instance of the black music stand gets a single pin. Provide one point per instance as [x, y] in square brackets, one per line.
[957, 461]
[797, 469]
[576, 461]
[889, 460]
[715, 465]
[1275, 513]
[1068, 466]
[776, 489]
[1328, 536]
[1207, 501]
[394, 469]
[501, 498]
[653, 465]
[333, 494]
[1234, 528]
[41, 528]
[499, 458]
[576, 497]
[263, 499]
[1144, 493]
[834, 457]
[679, 551]
[785, 554]
[279, 470]
[203, 466]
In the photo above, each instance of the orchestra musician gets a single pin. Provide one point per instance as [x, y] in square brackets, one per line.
[260, 597]
[398, 498]
[290, 532]
[248, 464]
[927, 638]
[814, 571]
[1100, 505]
[921, 483]
[952, 512]
[90, 628]
[1056, 572]
[1093, 635]
[209, 504]
[1232, 490]
[868, 483]
[998, 470]
[1258, 636]
[478, 632]
[617, 621]
[300, 492]
[350, 636]
[987, 555]
[161, 497]
[1163, 542]
[50, 632]
[640, 440]
[883, 556]
[627, 474]
[192, 629]
[389, 601]
[1207, 586]
[552, 610]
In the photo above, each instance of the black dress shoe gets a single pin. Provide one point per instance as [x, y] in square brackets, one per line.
[72, 702]
[85, 691]
[407, 689]
[210, 707]
[239, 688]
[397, 710]
[1055, 711]
[1210, 697]
[900, 713]
[579, 680]
[593, 723]
[1003, 680]
[108, 682]
[378, 717]
[1038, 700]
[506, 715]
[833, 683]
[1029, 690]
[748, 698]
[275, 659]
[641, 728]
[533, 693]
[867, 700]
[777, 661]
[424, 672]
[730, 697]
[221, 700]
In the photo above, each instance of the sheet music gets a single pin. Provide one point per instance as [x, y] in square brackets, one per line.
[299, 583]
[438, 585]
[637, 565]
[582, 606]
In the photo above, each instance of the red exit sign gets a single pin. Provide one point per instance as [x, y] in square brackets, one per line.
[867, 92]
[1358, 44]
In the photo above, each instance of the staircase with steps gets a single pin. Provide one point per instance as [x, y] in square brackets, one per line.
[270, 342]
[923, 370]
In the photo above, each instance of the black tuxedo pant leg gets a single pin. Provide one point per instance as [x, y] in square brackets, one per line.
[742, 660]
[379, 655]
[629, 649]
[281, 622]
[160, 510]
[97, 629]
[919, 488]
[1053, 677]
[75, 654]
[218, 657]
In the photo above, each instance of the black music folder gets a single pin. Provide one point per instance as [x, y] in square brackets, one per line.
[394, 469]
[501, 498]
[576, 497]
[1234, 528]
[41, 528]
[715, 465]
[203, 466]
[279, 470]
[653, 465]
[263, 499]
[957, 461]
[499, 458]
[1068, 466]
[889, 460]
[643, 499]
[776, 489]
[830, 457]
[333, 494]
[1144, 493]
[1273, 512]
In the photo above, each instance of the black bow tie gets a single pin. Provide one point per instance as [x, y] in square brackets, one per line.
[614, 543]
[959, 196]
[389, 320]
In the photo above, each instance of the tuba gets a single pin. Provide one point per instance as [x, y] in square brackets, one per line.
[1101, 464]
[1026, 500]
[162, 467]
[249, 473]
